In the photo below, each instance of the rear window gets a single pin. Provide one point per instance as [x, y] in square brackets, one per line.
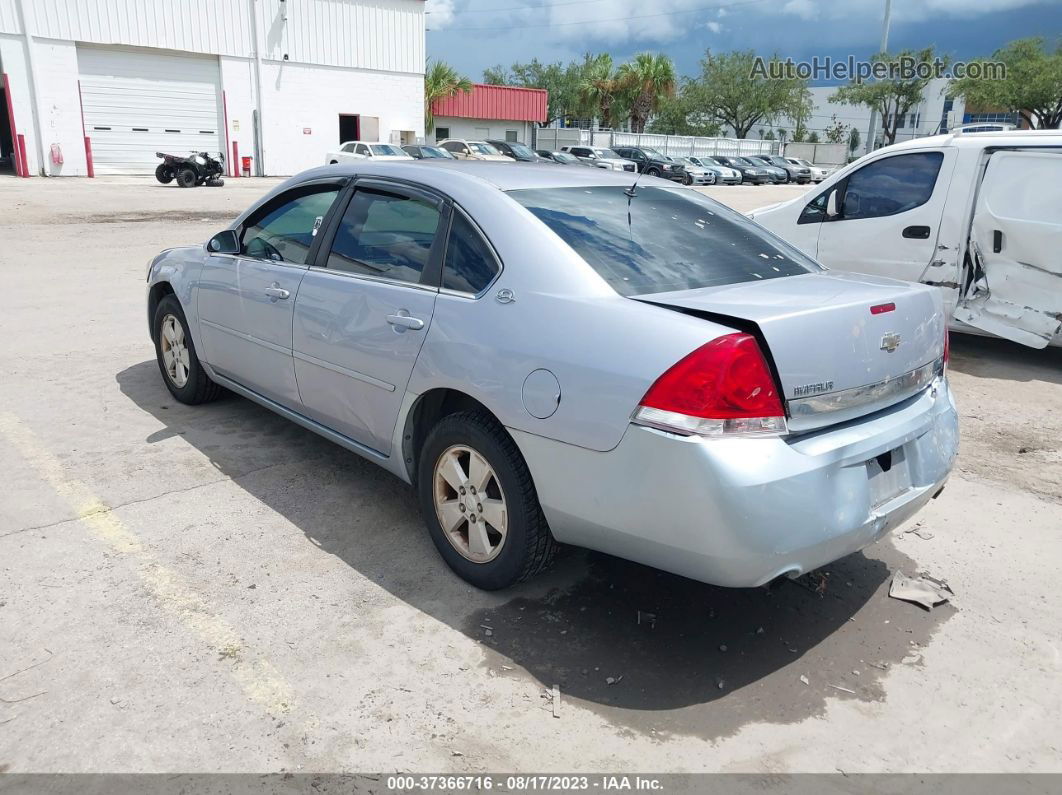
[671, 239]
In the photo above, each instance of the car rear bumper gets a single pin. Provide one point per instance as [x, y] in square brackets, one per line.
[740, 512]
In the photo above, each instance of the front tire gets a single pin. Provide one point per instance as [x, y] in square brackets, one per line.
[187, 177]
[480, 504]
[653, 172]
[164, 174]
[180, 367]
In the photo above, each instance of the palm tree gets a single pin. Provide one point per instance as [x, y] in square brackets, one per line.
[649, 79]
[440, 81]
[599, 89]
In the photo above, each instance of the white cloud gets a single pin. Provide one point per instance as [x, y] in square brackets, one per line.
[873, 9]
[618, 21]
[714, 27]
[440, 13]
[804, 9]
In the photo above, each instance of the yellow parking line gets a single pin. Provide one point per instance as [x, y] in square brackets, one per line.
[260, 681]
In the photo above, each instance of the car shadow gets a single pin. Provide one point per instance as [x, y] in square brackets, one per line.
[1003, 360]
[650, 651]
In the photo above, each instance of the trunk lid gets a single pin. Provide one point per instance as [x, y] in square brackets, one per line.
[835, 359]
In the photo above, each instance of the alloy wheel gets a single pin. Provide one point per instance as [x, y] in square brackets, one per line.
[470, 504]
[175, 355]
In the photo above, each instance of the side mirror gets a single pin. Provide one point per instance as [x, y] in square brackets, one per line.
[227, 242]
[831, 205]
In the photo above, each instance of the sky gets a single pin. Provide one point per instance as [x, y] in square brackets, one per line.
[474, 34]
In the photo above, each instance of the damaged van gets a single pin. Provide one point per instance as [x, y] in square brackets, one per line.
[978, 215]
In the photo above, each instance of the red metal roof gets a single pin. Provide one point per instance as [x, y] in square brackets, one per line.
[495, 102]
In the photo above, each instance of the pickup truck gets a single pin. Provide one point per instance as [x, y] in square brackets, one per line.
[978, 215]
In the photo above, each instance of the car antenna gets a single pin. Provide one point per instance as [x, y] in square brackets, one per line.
[632, 191]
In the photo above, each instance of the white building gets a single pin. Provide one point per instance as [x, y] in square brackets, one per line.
[934, 114]
[281, 81]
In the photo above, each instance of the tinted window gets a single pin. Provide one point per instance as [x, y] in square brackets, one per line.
[385, 234]
[453, 146]
[469, 265]
[362, 149]
[348, 147]
[673, 239]
[815, 210]
[285, 230]
[891, 185]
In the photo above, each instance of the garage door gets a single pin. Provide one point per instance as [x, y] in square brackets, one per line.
[140, 103]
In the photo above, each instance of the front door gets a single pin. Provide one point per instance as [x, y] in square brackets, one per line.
[364, 309]
[1015, 242]
[890, 212]
[246, 301]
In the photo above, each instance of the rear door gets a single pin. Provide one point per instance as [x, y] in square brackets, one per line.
[1016, 246]
[889, 219]
[245, 301]
[364, 309]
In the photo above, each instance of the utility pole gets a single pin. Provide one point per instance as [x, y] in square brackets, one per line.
[884, 48]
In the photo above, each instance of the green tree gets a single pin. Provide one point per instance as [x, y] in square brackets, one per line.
[600, 90]
[853, 140]
[836, 132]
[440, 81]
[496, 76]
[1032, 86]
[677, 116]
[891, 97]
[813, 138]
[647, 81]
[738, 94]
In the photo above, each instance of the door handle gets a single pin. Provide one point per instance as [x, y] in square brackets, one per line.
[917, 232]
[277, 292]
[997, 241]
[402, 322]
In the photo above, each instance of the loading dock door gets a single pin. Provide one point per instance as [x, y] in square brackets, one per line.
[139, 102]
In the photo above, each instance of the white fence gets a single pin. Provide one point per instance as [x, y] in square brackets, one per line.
[678, 145]
[819, 154]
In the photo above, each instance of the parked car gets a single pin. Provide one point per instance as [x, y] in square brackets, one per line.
[721, 421]
[750, 173]
[652, 163]
[696, 174]
[818, 173]
[425, 152]
[779, 176]
[975, 215]
[798, 174]
[724, 175]
[562, 158]
[353, 151]
[600, 157]
[464, 149]
[517, 151]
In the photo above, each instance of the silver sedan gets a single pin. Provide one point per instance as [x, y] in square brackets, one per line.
[556, 355]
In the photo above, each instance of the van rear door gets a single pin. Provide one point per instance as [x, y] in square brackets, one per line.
[1015, 289]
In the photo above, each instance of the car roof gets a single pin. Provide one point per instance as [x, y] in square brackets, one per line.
[441, 174]
[981, 140]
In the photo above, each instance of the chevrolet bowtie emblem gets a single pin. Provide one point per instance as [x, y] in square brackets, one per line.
[890, 342]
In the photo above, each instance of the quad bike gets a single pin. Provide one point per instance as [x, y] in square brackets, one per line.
[198, 169]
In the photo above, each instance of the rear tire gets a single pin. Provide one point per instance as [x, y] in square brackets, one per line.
[187, 177]
[215, 182]
[653, 172]
[164, 174]
[516, 540]
[187, 381]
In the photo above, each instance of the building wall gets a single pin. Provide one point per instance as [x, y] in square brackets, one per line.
[320, 58]
[298, 98]
[472, 129]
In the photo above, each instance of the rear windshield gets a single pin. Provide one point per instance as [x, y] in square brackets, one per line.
[671, 238]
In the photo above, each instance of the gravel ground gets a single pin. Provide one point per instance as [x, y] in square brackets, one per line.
[215, 589]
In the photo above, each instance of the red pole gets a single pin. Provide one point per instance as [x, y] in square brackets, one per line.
[235, 158]
[14, 133]
[22, 155]
[88, 157]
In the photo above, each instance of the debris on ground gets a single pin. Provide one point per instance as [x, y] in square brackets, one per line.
[556, 701]
[805, 680]
[720, 683]
[613, 680]
[920, 531]
[842, 689]
[647, 618]
[924, 591]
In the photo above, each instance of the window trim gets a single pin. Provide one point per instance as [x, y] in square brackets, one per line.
[454, 210]
[431, 275]
[342, 183]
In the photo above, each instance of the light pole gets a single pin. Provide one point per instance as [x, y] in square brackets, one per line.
[884, 48]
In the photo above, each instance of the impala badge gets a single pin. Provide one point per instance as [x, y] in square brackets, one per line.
[890, 342]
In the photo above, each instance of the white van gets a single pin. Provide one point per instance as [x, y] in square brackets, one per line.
[977, 214]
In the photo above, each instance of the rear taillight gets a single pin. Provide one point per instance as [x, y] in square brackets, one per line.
[947, 347]
[723, 388]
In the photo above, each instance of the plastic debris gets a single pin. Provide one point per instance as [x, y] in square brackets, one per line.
[842, 689]
[556, 701]
[923, 591]
[805, 680]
